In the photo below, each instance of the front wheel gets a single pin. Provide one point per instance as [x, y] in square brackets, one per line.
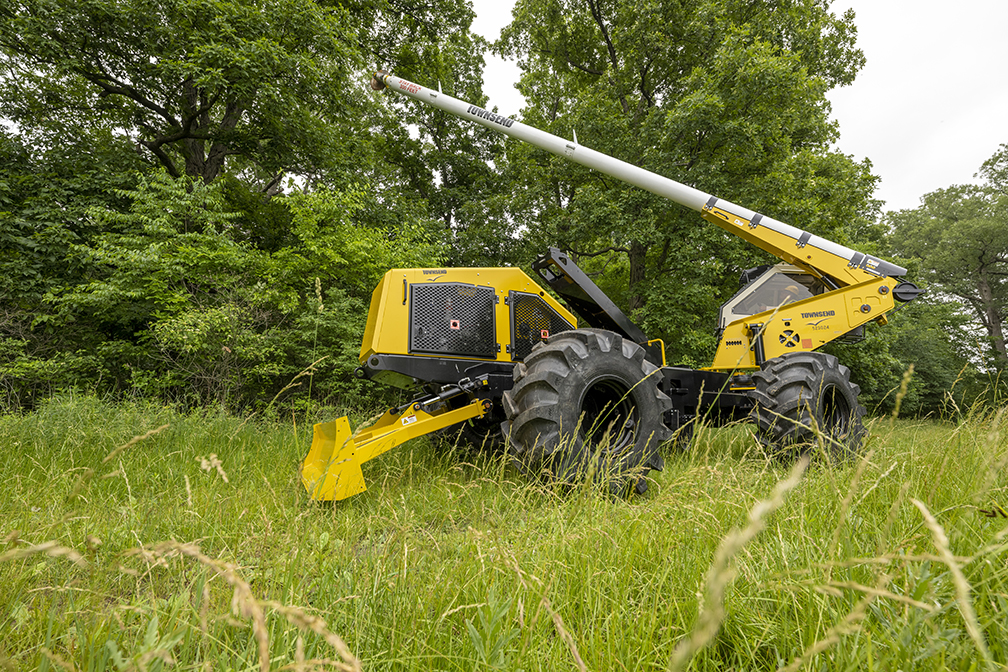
[587, 401]
[804, 400]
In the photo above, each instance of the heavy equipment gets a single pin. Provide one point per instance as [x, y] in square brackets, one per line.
[490, 350]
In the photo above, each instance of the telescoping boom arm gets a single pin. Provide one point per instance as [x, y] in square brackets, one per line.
[836, 265]
[468, 337]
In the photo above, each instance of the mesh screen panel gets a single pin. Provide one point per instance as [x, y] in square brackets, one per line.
[452, 318]
[531, 320]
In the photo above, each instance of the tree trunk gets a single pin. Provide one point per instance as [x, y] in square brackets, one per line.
[993, 321]
[638, 268]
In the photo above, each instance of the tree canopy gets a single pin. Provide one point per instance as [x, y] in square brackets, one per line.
[198, 196]
[112, 250]
[725, 96]
[960, 236]
[192, 82]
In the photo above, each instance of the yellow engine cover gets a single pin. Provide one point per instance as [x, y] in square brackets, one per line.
[483, 314]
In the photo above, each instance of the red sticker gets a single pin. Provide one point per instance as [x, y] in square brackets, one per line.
[806, 343]
[544, 333]
[455, 325]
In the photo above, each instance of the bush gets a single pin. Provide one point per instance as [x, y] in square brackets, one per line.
[182, 304]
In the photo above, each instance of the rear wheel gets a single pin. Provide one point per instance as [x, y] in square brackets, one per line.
[586, 401]
[806, 399]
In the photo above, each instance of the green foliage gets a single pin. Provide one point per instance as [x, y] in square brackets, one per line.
[995, 170]
[169, 248]
[44, 205]
[265, 221]
[154, 652]
[213, 286]
[492, 639]
[179, 306]
[924, 335]
[960, 237]
[443, 163]
[44, 200]
[294, 191]
[192, 81]
[327, 227]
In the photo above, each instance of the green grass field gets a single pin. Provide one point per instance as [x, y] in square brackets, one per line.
[196, 549]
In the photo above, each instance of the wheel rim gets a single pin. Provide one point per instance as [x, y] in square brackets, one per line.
[487, 428]
[607, 406]
[835, 412]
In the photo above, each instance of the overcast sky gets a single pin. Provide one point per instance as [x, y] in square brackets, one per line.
[928, 108]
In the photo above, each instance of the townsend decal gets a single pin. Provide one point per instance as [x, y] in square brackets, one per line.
[490, 116]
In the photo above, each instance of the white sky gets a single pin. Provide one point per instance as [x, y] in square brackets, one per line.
[928, 108]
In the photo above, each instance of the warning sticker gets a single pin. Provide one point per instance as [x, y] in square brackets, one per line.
[408, 420]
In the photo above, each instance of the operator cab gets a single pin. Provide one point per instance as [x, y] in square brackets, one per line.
[767, 287]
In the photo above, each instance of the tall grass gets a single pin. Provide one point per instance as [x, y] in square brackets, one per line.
[196, 548]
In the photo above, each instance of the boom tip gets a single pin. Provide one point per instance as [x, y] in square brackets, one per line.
[378, 80]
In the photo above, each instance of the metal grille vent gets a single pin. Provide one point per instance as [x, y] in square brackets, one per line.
[453, 318]
[532, 320]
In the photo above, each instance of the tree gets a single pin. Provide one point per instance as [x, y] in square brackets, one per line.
[995, 170]
[44, 205]
[434, 159]
[191, 82]
[145, 242]
[177, 305]
[726, 96]
[960, 236]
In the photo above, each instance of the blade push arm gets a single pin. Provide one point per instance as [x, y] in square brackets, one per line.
[332, 469]
[837, 265]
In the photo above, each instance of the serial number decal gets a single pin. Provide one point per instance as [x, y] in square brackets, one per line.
[490, 116]
[733, 343]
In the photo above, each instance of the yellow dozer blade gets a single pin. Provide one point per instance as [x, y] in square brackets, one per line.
[332, 469]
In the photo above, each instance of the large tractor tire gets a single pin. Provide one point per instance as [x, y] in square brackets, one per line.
[586, 401]
[805, 401]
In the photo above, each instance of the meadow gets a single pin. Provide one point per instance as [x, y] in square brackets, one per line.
[137, 537]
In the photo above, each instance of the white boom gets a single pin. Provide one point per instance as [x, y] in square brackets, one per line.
[629, 173]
